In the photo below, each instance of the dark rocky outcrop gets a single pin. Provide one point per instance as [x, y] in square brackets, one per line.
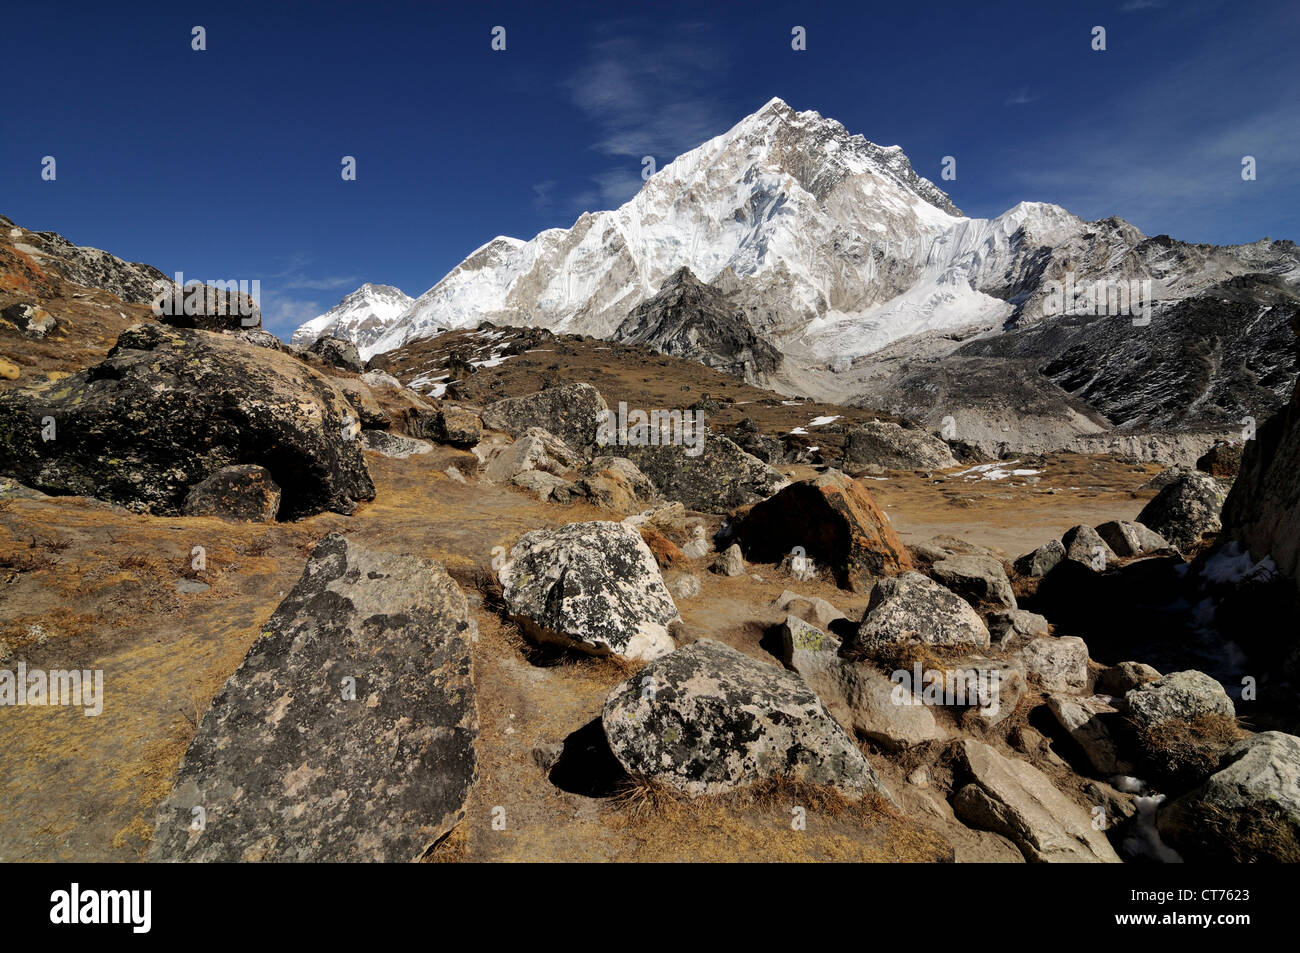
[836, 523]
[239, 494]
[347, 733]
[1185, 510]
[169, 407]
[719, 478]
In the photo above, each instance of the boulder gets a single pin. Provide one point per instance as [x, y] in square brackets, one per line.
[730, 563]
[684, 585]
[590, 586]
[546, 487]
[1118, 680]
[991, 687]
[708, 719]
[978, 579]
[1015, 799]
[1223, 460]
[1127, 539]
[1059, 664]
[860, 698]
[371, 415]
[572, 412]
[1086, 721]
[809, 608]
[237, 494]
[205, 308]
[715, 476]
[537, 449]
[382, 380]
[1262, 512]
[337, 352]
[393, 445]
[834, 521]
[912, 608]
[1248, 811]
[170, 406]
[614, 483]
[1042, 560]
[1085, 546]
[1016, 625]
[347, 733]
[892, 447]
[1182, 696]
[457, 426]
[1185, 510]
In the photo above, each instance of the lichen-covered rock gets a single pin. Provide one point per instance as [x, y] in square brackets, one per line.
[238, 494]
[457, 426]
[1223, 460]
[32, 320]
[1042, 560]
[572, 412]
[892, 447]
[1059, 664]
[717, 479]
[913, 608]
[590, 586]
[1015, 799]
[393, 445]
[337, 352]
[730, 563]
[1186, 509]
[168, 407]
[979, 579]
[347, 734]
[1118, 680]
[1085, 546]
[1178, 695]
[1128, 539]
[536, 449]
[835, 523]
[362, 399]
[708, 719]
[614, 483]
[811, 609]
[1247, 812]
[546, 487]
[859, 697]
[1016, 625]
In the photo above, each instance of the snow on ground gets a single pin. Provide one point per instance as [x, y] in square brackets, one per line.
[823, 421]
[799, 431]
[995, 471]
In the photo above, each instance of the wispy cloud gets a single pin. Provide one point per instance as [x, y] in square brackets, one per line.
[647, 96]
[1020, 97]
[1133, 6]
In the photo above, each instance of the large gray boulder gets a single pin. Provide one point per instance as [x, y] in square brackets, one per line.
[716, 479]
[1015, 799]
[912, 608]
[347, 734]
[708, 719]
[168, 408]
[1247, 812]
[1186, 509]
[892, 447]
[1084, 545]
[1128, 539]
[1179, 695]
[592, 586]
[1059, 664]
[859, 697]
[979, 579]
[1042, 560]
[572, 412]
[535, 449]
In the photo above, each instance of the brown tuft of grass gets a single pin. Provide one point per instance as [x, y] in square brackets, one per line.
[1186, 752]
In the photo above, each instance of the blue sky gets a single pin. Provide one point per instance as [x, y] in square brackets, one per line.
[225, 163]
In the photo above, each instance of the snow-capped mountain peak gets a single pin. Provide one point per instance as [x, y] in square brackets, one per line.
[361, 317]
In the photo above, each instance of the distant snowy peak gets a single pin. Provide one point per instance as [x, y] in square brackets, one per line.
[361, 317]
[787, 202]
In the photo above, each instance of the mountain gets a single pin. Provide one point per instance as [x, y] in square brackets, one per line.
[362, 317]
[692, 320]
[872, 288]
